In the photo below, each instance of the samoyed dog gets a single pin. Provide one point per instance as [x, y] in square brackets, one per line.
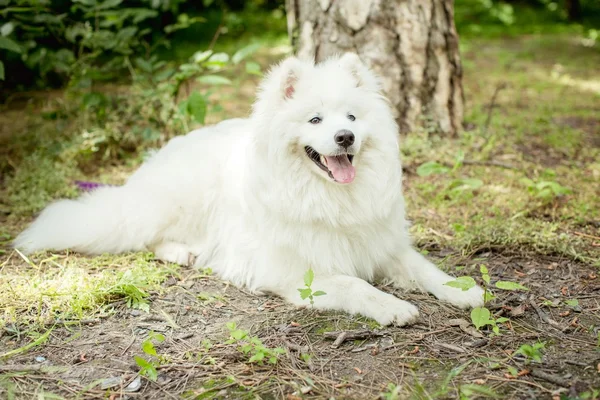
[312, 179]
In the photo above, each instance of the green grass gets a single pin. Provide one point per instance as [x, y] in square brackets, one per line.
[47, 288]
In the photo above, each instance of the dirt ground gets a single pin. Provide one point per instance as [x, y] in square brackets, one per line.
[95, 359]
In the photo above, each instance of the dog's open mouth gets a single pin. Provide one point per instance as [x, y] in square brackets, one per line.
[338, 167]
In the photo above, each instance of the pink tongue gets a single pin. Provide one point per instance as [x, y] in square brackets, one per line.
[340, 168]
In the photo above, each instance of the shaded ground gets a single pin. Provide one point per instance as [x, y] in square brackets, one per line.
[191, 310]
[519, 194]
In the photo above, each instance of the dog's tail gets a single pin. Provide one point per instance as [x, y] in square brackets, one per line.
[106, 220]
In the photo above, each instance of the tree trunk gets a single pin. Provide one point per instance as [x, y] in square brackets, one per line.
[411, 44]
[574, 10]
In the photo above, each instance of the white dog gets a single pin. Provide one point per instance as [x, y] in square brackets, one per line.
[311, 180]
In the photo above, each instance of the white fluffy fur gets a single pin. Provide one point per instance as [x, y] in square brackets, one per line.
[243, 198]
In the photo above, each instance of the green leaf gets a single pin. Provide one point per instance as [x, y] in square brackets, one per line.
[309, 276]
[463, 282]
[430, 168]
[159, 337]
[480, 317]
[483, 269]
[214, 80]
[1, 70]
[305, 293]
[196, 106]
[319, 293]
[246, 348]
[9, 44]
[217, 60]
[572, 303]
[258, 357]
[7, 28]
[253, 68]
[488, 296]
[239, 334]
[461, 185]
[144, 65]
[146, 368]
[486, 278]
[148, 348]
[245, 52]
[506, 285]
[201, 56]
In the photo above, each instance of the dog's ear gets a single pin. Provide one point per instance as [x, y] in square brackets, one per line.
[289, 72]
[364, 77]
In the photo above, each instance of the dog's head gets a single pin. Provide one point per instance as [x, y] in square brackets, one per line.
[325, 116]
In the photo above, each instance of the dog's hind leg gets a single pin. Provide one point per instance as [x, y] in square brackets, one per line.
[413, 270]
[352, 295]
[177, 253]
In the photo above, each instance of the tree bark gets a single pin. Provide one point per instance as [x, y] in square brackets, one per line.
[411, 44]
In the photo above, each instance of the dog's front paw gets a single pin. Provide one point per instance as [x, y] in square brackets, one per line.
[176, 253]
[462, 298]
[393, 311]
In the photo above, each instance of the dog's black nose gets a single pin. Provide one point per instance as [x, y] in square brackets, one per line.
[344, 138]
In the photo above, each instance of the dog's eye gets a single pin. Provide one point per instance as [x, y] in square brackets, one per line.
[351, 117]
[315, 120]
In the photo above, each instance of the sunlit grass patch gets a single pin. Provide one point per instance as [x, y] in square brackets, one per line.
[55, 287]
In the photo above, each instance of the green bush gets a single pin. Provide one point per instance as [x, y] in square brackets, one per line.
[47, 43]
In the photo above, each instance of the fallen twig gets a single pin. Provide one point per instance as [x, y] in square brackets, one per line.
[557, 380]
[341, 337]
[90, 321]
[497, 378]
[585, 235]
[296, 347]
[544, 317]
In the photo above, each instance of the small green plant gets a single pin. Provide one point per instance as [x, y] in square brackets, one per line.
[131, 287]
[148, 366]
[252, 346]
[545, 190]
[532, 353]
[392, 392]
[307, 292]
[472, 390]
[306, 357]
[572, 302]
[481, 316]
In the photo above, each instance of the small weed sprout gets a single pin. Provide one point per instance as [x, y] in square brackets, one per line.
[252, 346]
[392, 392]
[307, 292]
[148, 366]
[481, 316]
[545, 190]
[532, 353]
